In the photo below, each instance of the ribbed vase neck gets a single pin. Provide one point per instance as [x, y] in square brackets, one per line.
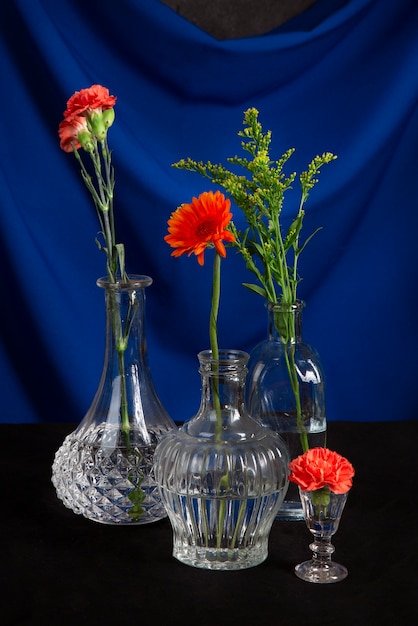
[223, 379]
[229, 364]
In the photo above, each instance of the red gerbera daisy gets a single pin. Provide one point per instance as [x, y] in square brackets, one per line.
[202, 223]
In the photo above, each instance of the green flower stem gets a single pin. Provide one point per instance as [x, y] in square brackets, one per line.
[111, 269]
[288, 285]
[285, 323]
[222, 509]
[238, 522]
[102, 194]
[213, 335]
[120, 343]
[123, 395]
[216, 294]
[294, 381]
[205, 520]
[120, 338]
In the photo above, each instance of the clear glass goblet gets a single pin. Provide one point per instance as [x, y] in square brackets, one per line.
[322, 511]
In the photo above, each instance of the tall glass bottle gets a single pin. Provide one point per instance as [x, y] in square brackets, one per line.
[104, 469]
[286, 390]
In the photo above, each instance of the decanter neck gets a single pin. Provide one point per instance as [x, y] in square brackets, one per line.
[125, 318]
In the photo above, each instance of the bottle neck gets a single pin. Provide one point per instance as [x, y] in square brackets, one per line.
[223, 380]
[222, 416]
[285, 322]
[125, 319]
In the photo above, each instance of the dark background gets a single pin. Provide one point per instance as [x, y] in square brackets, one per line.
[60, 568]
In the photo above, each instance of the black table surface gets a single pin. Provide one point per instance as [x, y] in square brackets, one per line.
[58, 568]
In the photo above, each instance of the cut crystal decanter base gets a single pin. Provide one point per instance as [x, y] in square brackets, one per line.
[98, 484]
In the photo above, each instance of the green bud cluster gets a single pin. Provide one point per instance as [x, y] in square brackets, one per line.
[270, 252]
[98, 123]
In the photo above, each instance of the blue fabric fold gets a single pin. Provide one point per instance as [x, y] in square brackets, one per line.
[340, 77]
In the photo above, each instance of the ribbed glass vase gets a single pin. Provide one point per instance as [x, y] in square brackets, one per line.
[104, 469]
[222, 476]
[286, 390]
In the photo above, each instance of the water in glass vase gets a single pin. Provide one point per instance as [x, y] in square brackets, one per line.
[110, 485]
[291, 508]
[221, 533]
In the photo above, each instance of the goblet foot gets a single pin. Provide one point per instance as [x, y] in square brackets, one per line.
[314, 572]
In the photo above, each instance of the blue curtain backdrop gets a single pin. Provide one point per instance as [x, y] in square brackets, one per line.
[342, 77]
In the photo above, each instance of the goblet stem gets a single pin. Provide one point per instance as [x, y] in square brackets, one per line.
[322, 549]
[321, 568]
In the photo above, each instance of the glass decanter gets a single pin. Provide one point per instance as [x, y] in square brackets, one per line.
[104, 469]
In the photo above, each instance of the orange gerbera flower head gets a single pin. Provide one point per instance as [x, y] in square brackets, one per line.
[201, 224]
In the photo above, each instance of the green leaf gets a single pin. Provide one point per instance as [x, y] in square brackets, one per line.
[100, 246]
[258, 249]
[120, 250]
[299, 250]
[294, 230]
[257, 289]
